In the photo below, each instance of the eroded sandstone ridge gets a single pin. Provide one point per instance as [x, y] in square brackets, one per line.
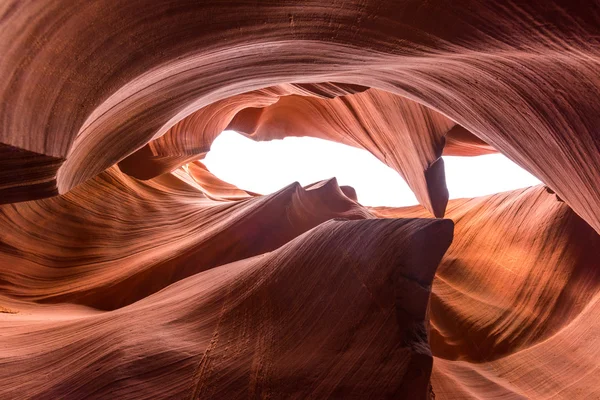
[128, 270]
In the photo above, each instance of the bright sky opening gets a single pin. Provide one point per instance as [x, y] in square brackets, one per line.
[265, 167]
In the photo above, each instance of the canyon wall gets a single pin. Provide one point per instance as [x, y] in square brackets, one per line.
[127, 269]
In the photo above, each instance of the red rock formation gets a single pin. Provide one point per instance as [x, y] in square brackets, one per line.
[122, 239]
[514, 299]
[212, 186]
[521, 77]
[128, 269]
[327, 314]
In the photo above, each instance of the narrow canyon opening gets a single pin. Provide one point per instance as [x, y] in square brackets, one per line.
[266, 167]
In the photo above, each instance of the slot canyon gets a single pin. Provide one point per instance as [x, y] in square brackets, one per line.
[130, 270]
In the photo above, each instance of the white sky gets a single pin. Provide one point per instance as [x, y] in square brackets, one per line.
[265, 167]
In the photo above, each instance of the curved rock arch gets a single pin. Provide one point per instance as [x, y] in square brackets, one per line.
[489, 83]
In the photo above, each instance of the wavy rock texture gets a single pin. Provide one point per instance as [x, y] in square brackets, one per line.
[329, 313]
[514, 300]
[374, 120]
[521, 77]
[127, 269]
[122, 239]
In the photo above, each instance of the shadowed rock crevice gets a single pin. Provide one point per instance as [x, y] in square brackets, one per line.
[25, 175]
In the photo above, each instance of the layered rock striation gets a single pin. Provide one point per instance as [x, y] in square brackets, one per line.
[128, 269]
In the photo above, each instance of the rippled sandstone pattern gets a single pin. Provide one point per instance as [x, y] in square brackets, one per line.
[128, 269]
[515, 301]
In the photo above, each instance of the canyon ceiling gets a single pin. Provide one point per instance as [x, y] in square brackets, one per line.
[128, 270]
